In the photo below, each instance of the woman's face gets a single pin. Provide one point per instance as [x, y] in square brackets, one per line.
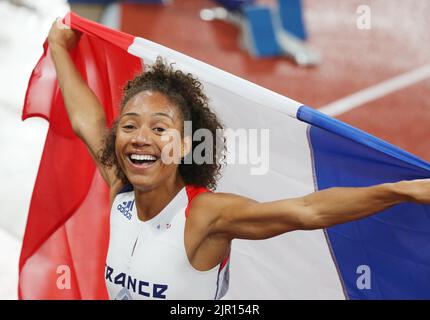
[146, 130]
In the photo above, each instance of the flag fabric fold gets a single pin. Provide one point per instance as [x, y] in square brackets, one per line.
[385, 256]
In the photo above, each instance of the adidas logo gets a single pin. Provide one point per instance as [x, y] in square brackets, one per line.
[125, 208]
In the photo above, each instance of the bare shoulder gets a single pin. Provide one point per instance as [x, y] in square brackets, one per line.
[210, 202]
[218, 201]
[208, 208]
[204, 210]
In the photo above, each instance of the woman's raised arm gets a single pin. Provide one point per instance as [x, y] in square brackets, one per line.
[83, 108]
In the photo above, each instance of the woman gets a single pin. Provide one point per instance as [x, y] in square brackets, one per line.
[169, 237]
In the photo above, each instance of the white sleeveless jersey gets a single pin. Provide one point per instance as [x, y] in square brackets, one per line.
[147, 260]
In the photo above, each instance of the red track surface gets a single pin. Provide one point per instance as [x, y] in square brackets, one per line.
[353, 59]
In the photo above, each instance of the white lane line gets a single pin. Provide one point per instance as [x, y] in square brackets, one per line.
[377, 91]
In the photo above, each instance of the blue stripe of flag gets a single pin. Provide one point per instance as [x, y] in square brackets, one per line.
[395, 243]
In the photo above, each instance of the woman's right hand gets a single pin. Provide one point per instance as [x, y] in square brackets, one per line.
[61, 35]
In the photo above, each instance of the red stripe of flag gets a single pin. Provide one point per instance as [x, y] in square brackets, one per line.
[68, 221]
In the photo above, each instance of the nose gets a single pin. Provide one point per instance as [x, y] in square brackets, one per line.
[142, 137]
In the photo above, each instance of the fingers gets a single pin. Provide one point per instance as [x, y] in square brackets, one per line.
[60, 25]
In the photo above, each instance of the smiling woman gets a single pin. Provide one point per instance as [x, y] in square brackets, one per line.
[171, 98]
[170, 235]
[159, 245]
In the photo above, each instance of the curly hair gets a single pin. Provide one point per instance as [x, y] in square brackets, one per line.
[186, 92]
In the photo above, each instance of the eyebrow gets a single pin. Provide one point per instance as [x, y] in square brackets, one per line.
[163, 115]
[134, 114]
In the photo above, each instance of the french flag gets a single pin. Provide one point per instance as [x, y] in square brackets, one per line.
[385, 256]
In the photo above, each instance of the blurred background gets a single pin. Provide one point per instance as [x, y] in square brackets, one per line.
[365, 62]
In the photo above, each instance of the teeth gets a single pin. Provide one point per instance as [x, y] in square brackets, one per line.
[142, 157]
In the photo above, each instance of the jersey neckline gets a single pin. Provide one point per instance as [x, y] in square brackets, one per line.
[175, 205]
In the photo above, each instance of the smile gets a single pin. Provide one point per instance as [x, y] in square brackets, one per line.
[142, 161]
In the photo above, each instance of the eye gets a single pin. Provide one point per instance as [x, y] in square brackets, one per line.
[159, 129]
[128, 127]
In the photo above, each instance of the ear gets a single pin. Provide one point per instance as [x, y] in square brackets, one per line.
[186, 147]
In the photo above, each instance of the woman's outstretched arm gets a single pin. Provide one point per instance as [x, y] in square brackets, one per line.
[238, 217]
